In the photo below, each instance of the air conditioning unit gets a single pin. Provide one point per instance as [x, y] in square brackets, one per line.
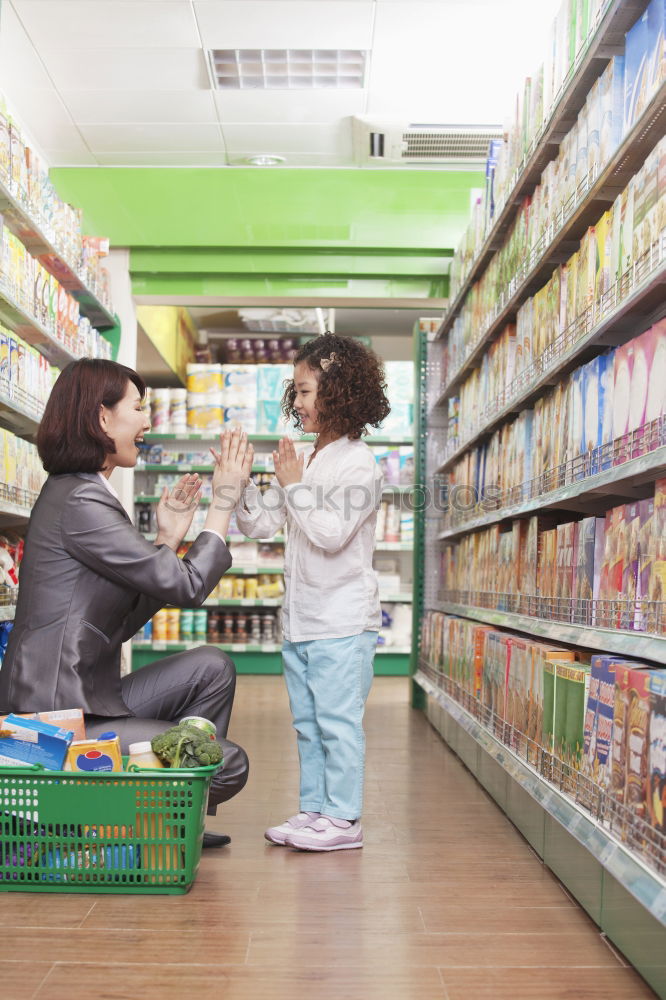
[377, 143]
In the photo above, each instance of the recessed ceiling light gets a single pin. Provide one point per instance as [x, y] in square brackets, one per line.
[288, 69]
[265, 161]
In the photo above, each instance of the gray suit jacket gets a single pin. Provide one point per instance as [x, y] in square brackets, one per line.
[88, 582]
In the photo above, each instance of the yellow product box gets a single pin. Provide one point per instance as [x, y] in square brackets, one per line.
[90, 756]
[204, 418]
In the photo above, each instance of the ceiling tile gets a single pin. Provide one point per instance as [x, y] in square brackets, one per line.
[95, 106]
[252, 24]
[46, 117]
[288, 105]
[18, 58]
[117, 138]
[71, 157]
[77, 24]
[240, 159]
[176, 158]
[283, 137]
[128, 69]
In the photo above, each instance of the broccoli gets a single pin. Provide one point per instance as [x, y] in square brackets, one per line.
[186, 746]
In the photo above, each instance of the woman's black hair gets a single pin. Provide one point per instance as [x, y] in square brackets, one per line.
[70, 437]
[351, 391]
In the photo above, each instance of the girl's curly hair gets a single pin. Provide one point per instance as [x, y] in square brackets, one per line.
[351, 391]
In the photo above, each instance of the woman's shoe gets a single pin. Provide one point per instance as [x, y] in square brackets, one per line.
[215, 840]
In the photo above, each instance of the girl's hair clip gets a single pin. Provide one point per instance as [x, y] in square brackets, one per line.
[327, 362]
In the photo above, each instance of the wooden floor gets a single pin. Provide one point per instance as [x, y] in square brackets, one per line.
[446, 900]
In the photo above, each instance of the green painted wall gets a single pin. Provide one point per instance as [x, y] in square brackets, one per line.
[284, 232]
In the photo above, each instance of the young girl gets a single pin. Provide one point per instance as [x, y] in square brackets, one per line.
[328, 498]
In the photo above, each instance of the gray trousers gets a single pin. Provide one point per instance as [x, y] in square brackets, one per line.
[200, 681]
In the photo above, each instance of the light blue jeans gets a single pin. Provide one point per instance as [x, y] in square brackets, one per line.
[328, 681]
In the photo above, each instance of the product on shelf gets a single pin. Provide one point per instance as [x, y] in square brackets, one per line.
[594, 728]
[226, 626]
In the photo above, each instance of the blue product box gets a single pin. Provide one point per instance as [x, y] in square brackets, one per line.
[636, 71]
[592, 411]
[576, 433]
[611, 100]
[35, 742]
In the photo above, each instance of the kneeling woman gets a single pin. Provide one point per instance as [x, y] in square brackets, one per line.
[89, 580]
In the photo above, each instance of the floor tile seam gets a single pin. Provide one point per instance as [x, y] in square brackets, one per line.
[616, 954]
[444, 986]
[51, 968]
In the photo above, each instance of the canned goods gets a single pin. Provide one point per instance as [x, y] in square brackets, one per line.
[173, 623]
[228, 627]
[225, 588]
[200, 626]
[199, 722]
[241, 627]
[238, 588]
[160, 626]
[251, 584]
[186, 623]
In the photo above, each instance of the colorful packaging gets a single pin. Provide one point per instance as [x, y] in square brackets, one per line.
[35, 742]
[91, 756]
[637, 72]
[656, 766]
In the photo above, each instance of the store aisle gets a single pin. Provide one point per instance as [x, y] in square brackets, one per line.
[446, 900]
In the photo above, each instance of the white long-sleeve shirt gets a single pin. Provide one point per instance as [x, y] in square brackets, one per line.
[331, 589]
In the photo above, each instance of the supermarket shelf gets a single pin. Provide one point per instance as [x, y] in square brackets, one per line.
[393, 547]
[32, 331]
[7, 612]
[19, 412]
[636, 645]
[619, 17]
[243, 602]
[11, 513]
[275, 540]
[645, 285]
[388, 491]
[631, 474]
[266, 438]
[184, 467]
[178, 646]
[586, 206]
[395, 598]
[34, 240]
[255, 570]
[645, 885]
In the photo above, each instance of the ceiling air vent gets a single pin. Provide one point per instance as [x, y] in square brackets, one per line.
[398, 142]
[287, 69]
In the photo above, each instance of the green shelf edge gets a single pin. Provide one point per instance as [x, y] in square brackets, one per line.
[567, 830]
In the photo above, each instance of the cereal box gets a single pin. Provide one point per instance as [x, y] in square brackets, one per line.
[636, 72]
[656, 765]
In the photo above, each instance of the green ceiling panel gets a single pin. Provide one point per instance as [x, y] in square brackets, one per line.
[255, 207]
[244, 286]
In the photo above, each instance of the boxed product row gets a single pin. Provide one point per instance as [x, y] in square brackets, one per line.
[615, 102]
[25, 374]
[601, 716]
[21, 472]
[25, 176]
[606, 572]
[621, 237]
[394, 524]
[604, 413]
[201, 625]
[257, 350]
[250, 395]
[27, 282]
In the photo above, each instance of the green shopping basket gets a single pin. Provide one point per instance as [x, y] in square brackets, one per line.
[118, 832]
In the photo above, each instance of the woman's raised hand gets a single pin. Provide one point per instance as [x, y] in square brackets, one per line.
[175, 510]
[233, 465]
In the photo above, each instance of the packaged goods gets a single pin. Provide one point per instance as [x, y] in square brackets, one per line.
[204, 378]
[88, 756]
[141, 757]
[637, 86]
[656, 769]
[35, 742]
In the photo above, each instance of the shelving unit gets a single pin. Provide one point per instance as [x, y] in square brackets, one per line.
[609, 36]
[31, 235]
[251, 658]
[621, 888]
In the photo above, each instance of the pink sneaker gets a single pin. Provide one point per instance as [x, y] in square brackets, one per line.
[327, 834]
[278, 834]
